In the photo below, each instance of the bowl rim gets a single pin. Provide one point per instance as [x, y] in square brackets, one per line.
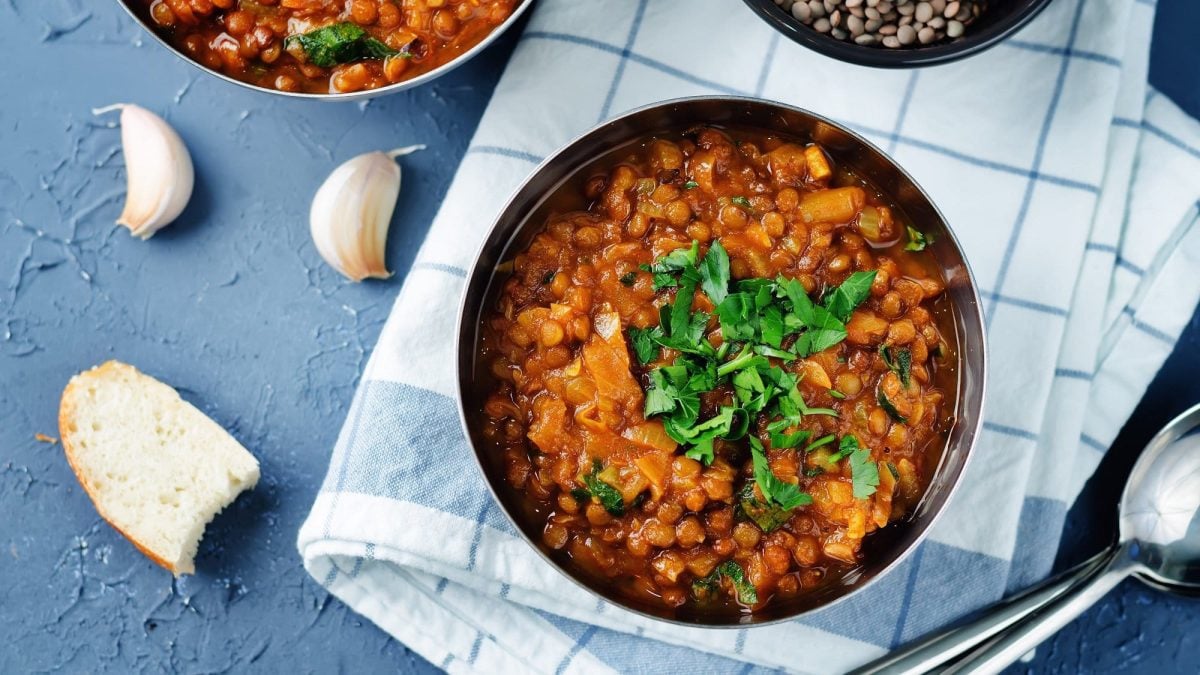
[848, 52]
[363, 95]
[973, 427]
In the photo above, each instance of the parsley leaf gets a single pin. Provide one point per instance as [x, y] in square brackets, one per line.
[342, 43]
[661, 395]
[781, 438]
[824, 440]
[746, 592]
[889, 407]
[628, 278]
[714, 273]
[846, 446]
[691, 185]
[899, 362]
[850, 294]
[767, 516]
[608, 496]
[917, 241]
[864, 473]
[740, 201]
[644, 346]
[775, 490]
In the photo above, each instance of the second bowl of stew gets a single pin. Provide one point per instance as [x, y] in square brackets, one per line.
[721, 361]
[331, 49]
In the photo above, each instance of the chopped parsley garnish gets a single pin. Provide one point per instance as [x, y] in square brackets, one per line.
[898, 361]
[628, 278]
[824, 440]
[850, 294]
[342, 43]
[714, 273]
[760, 319]
[917, 241]
[864, 473]
[765, 515]
[889, 407]
[746, 593]
[777, 491]
[740, 201]
[608, 496]
[691, 185]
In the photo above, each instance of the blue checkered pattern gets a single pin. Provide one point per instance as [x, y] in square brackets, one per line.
[1063, 176]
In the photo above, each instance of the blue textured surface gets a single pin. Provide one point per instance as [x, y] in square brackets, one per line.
[233, 306]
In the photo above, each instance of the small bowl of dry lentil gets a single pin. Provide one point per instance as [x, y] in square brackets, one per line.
[897, 33]
[331, 49]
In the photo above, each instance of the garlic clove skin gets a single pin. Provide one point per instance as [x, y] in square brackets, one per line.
[352, 211]
[158, 169]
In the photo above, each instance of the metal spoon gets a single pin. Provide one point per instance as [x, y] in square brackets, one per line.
[1159, 543]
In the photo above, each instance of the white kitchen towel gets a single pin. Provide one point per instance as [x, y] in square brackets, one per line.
[1072, 187]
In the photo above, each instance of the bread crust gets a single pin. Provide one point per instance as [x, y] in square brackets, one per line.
[66, 414]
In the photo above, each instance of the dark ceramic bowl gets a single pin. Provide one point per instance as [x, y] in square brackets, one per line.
[140, 17]
[524, 216]
[1001, 19]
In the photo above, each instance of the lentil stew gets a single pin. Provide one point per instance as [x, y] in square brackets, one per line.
[324, 46]
[719, 370]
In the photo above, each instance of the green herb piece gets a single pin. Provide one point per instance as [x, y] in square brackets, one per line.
[837, 394]
[691, 185]
[781, 438]
[659, 398]
[846, 446]
[815, 471]
[824, 440]
[746, 593]
[608, 495]
[728, 423]
[581, 495]
[893, 470]
[766, 516]
[777, 491]
[850, 294]
[889, 407]
[676, 261]
[824, 330]
[342, 43]
[644, 346]
[740, 201]
[917, 241]
[781, 354]
[899, 362]
[864, 473]
[745, 359]
[738, 317]
[628, 278]
[548, 277]
[714, 273]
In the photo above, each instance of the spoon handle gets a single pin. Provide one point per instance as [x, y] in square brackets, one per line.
[938, 649]
[998, 654]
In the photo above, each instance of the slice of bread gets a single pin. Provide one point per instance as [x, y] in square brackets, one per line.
[156, 468]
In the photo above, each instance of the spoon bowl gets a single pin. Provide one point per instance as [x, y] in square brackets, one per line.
[1159, 543]
[1160, 508]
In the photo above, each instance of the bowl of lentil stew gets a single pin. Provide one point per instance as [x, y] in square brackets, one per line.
[961, 28]
[329, 49]
[700, 372]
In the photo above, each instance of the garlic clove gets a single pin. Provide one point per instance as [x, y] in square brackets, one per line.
[158, 170]
[352, 211]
